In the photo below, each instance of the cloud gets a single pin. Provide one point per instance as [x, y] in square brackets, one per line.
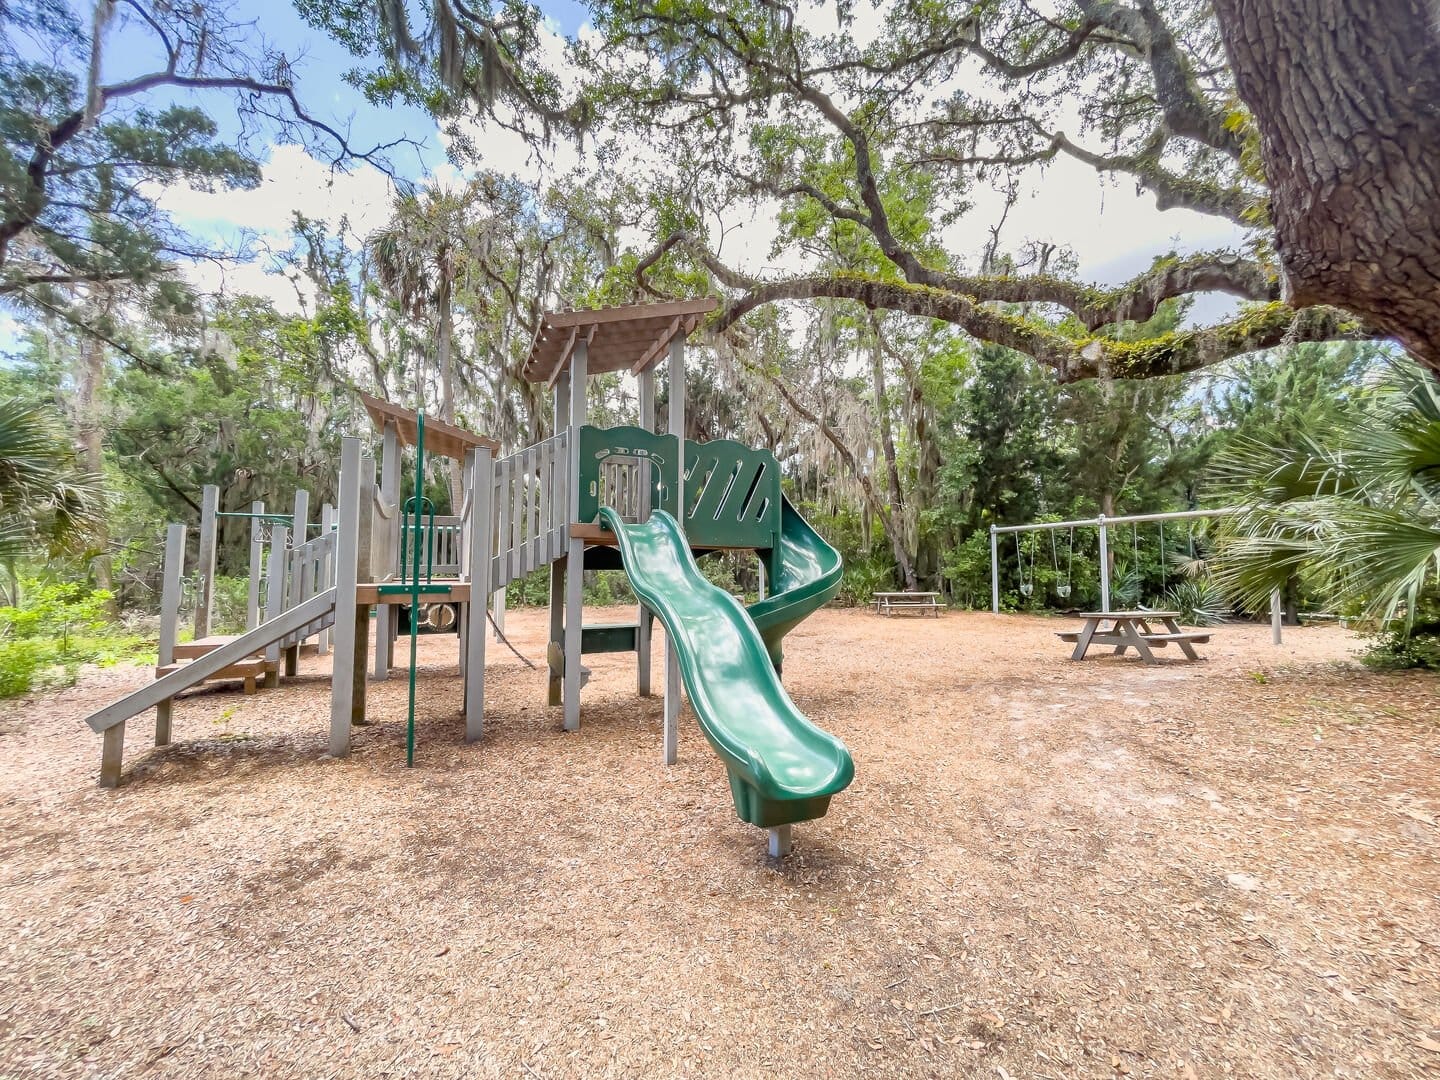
[291, 180]
[1114, 230]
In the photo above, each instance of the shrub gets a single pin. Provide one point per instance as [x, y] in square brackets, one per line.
[57, 627]
[1199, 602]
[20, 662]
[1395, 650]
[861, 581]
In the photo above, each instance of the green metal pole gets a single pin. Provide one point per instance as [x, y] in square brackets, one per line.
[415, 584]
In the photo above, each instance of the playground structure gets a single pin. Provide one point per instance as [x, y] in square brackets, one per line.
[1103, 524]
[584, 498]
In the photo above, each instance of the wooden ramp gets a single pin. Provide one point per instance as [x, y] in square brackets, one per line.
[225, 655]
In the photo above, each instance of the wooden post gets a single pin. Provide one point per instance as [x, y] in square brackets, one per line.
[364, 571]
[277, 594]
[559, 567]
[497, 612]
[643, 618]
[111, 752]
[171, 585]
[387, 559]
[299, 531]
[672, 702]
[257, 565]
[481, 531]
[347, 555]
[575, 562]
[1104, 564]
[676, 426]
[462, 553]
[327, 572]
[205, 565]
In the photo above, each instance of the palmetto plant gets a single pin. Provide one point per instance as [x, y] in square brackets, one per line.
[1354, 510]
[47, 504]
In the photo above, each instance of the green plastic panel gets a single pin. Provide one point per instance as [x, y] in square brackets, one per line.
[732, 491]
[732, 495]
[608, 637]
[597, 445]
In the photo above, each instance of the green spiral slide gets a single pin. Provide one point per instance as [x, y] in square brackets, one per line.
[783, 769]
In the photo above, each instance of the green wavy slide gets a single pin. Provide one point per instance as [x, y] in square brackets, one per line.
[783, 769]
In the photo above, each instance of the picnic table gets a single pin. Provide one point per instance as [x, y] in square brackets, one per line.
[887, 603]
[1133, 630]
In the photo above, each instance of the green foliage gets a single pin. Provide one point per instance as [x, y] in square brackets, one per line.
[861, 581]
[1199, 602]
[1398, 649]
[47, 504]
[85, 193]
[55, 628]
[1351, 509]
[20, 662]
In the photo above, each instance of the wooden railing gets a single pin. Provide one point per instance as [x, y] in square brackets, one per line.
[308, 570]
[441, 547]
[530, 497]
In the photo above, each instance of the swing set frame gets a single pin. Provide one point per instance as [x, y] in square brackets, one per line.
[1104, 524]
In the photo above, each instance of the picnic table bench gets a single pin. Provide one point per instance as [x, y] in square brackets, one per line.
[887, 603]
[1133, 630]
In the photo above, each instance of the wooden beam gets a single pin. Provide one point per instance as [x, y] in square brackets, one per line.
[353, 488]
[655, 347]
[561, 357]
[455, 592]
[630, 312]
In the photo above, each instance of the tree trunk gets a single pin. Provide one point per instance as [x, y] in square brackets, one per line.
[445, 359]
[892, 471]
[89, 389]
[1344, 95]
[872, 498]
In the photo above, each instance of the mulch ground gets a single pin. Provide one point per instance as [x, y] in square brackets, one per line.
[1043, 869]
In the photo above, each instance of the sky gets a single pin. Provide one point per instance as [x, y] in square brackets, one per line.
[1113, 229]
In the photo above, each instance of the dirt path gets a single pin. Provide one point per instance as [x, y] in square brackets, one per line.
[1043, 869]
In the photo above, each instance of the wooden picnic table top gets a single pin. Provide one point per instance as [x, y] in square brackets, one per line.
[889, 595]
[1130, 614]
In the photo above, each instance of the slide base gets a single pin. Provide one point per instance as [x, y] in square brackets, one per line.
[771, 813]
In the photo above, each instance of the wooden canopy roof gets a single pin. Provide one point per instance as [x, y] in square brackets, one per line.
[441, 438]
[629, 338]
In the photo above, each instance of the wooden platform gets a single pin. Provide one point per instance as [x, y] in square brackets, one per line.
[248, 672]
[454, 592]
[189, 650]
[599, 536]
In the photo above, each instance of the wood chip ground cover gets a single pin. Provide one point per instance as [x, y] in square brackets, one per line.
[1043, 869]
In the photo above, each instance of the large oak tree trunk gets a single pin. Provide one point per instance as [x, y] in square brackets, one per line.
[892, 470]
[1346, 96]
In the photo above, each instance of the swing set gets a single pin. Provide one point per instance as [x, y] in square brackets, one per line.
[1064, 584]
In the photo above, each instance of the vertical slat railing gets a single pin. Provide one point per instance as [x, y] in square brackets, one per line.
[517, 511]
[529, 509]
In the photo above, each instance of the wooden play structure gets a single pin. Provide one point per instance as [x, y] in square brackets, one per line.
[584, 498]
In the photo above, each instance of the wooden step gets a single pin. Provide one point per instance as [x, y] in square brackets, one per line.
[189, 650]
[1161, 639]
[246, 671]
